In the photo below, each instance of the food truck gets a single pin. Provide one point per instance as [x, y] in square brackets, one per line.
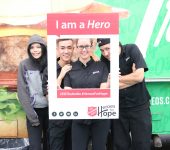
[144, 22]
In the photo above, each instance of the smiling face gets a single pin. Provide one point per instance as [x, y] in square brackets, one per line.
[84, 49]
[65, 49]
[36, 50]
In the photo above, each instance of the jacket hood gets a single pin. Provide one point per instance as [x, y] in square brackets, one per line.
[36, 39]
[42, 61]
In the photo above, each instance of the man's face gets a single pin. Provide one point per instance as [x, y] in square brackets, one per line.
[65, 50]
[105, 50]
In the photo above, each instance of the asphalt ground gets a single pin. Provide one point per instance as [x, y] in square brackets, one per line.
[165, 144]
[20, 144]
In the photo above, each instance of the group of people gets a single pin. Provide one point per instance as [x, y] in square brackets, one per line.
[132, 131]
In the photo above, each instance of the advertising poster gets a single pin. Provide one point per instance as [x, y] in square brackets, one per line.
[83, 102]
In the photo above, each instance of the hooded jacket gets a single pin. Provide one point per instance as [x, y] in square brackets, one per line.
[29, 83]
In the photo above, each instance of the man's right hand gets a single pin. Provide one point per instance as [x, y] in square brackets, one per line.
[63, 72]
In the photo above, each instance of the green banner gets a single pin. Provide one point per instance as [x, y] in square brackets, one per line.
[148, 25]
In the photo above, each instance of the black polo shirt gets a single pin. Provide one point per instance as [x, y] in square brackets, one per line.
[89, 76]
[106, 61]
[58, 73]
[137, 96]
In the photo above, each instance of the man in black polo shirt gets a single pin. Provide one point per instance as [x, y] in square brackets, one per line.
[132, 131]
[60, 130]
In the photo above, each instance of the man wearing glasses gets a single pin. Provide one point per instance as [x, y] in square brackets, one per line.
[86, 73]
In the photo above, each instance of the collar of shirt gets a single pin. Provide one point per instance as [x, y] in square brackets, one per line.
[87, 64]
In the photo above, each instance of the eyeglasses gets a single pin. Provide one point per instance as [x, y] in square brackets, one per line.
[81, 47]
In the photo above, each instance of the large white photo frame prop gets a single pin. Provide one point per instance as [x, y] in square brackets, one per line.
[99, 107]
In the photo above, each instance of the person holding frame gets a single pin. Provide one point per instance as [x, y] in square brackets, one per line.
[87, 73]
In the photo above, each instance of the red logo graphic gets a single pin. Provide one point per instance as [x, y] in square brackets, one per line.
[92, 111]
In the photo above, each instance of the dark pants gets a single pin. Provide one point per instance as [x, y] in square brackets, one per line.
[97, 129]
[60, 134]
[38, 134]
[109, 144]
[132, 131]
